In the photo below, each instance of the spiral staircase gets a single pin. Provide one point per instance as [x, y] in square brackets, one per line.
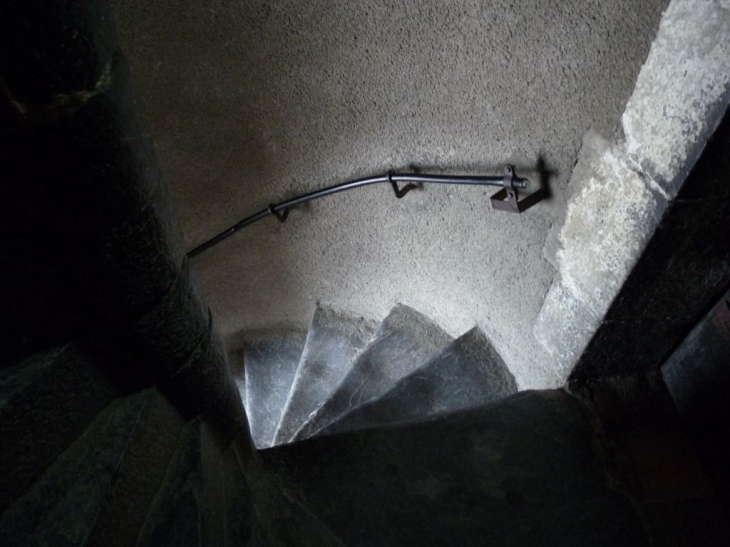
[345, 375]
[123, 422]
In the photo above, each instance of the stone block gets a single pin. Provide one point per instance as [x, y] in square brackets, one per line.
[204, 385]
[167, 334]
[612, 213]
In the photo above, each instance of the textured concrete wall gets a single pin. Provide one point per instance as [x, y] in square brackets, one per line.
[257, 101]
[620, 191]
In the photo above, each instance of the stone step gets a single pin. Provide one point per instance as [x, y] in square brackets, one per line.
[46, 402]
[141, 471]
[333, 341]
[229, 516]
[213, 483]
[521, 471]
[242, 526]
[467, 374]
[697, 376]
[280, 519]
[175, 517]
[235, 364]
[403, 342]
[270, 362]
[62, 505]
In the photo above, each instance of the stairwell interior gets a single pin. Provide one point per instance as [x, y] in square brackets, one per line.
[129, 416]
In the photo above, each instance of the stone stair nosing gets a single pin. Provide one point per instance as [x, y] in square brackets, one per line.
[468, 373]
[404, 341]
[176, 514]
[271, 360]
[333, 341]
[519, 471]
[61, 506]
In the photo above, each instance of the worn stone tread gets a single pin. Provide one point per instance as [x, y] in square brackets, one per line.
[61, 507]
[270, 363]
[404, 341]
[54, 394]
[521, 471]
[140, 473]
[176, 514]
[467, 374]
[333, 341]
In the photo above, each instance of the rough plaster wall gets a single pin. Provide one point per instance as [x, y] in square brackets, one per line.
[620, 190]
[252, 102]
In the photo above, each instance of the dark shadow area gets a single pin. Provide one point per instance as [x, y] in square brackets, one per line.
[698, 377]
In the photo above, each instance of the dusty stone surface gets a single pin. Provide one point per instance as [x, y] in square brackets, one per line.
[682, 272]
[251, 102]
[140, 474]
[467, 374]
[46, 401]
[681, 92]
[403, 342]
[333, 341]
[76, 483]
[519, 472]
[175, 516]
[697, 376]
[270, 362]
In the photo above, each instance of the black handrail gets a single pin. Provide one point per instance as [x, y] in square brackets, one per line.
[281, 210]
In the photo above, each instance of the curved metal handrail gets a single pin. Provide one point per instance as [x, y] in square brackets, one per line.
[281, 210]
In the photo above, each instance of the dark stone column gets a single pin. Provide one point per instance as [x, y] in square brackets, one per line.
[89, 247]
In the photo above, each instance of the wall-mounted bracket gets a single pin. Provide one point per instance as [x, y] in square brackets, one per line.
[508, 198]
[399, 192]
[281, 216]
